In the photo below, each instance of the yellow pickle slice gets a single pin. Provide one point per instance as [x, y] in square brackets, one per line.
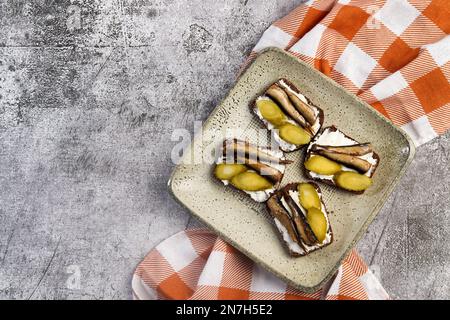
[294, 134]
[322, 165]
[318, 223]
[225, 171]
[352, 181]
[308, 196]
[271, 112]
[250, 181]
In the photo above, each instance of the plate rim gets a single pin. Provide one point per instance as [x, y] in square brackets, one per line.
[388, 190]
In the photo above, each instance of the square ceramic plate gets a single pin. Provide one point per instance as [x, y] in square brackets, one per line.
[245, 224]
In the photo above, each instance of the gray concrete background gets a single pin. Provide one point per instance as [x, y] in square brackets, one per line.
[86, 109]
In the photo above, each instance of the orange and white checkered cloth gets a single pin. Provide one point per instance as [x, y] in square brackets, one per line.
[197, 265]
[393, 54]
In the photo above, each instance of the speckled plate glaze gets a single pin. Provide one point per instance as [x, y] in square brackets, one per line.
[245, 224]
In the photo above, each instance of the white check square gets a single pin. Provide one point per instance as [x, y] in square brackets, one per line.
[355, 64]
[309, 3]
[178, 251]
[213, 270]
[389, 86]
[309, 44]
[420, 131]
[440, 51]
[397, 15]
[273, 37]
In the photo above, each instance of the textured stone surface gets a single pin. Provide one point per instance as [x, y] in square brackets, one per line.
[90, 92]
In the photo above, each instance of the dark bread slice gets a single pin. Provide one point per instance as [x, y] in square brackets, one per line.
[291, 223]
[321, 115]
[309, 154]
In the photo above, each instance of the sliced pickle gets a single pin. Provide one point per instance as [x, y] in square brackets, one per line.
[318, 223]
[262, 169]
[224, 171]
[294, 134]
[352, 181]
[271, 112]
[250, 181]
[322, 165]
[308, 196]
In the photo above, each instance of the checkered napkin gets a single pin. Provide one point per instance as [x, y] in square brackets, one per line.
[393, 54]
[197, 265]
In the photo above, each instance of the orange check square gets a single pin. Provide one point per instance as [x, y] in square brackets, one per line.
[312, 18]
[174, 288]
[349, 20]
[398, 55]
[233, 294]
[432, 90]
[380, 108]
[323, 66]
[439, 12]
[297, 297]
